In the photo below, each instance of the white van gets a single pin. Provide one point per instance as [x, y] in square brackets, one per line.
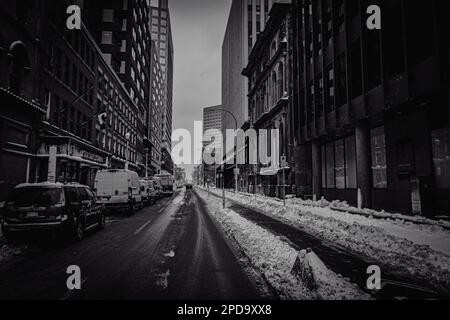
[148, 192]
[119, 189]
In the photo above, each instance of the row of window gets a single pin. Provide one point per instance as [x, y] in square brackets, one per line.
[339, 162]
[67, 117]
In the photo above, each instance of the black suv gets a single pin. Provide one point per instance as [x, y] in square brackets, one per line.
[65, 209]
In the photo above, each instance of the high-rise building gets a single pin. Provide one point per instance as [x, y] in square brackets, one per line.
[372, 106]
[161, 34]
[212, 124]
[212, 120]
[121, 30]
[246, 21]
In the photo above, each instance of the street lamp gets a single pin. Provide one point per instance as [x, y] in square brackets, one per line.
[236, 169]
[146, 162]
[127, 137]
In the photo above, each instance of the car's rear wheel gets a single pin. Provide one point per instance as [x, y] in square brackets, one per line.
[79, 229]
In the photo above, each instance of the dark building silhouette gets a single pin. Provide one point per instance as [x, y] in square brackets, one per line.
[371, 107]
[20, 110]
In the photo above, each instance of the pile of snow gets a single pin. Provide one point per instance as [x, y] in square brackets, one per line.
[329, 285]
[274, 258]
[419, 251]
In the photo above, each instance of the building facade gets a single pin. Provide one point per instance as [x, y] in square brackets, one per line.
[79, 86]
[123, 35]
[246, 21]
[372, 106]
[270, 90]
[20, 95]
[161, 34]
[212, 124]
[66, 113]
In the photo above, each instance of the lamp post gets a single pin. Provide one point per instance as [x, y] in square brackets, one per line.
[127, 137]
[146, 162]
[236, 169]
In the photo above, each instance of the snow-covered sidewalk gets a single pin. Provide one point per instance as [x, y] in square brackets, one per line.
[274, 258]
[417, 250]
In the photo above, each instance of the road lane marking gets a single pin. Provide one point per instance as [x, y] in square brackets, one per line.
[143, 227]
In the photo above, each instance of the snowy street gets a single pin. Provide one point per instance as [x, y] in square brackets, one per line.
[171, 250]
[413, 258]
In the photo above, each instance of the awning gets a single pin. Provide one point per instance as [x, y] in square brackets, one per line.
[76, 159]
[272, 171]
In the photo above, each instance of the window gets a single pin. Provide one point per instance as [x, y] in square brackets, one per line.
[73, 195]
[339, 164]
[107, 37]
[330, 170]
[107, 57]
[108, 15]
[441, 157]
[339, 168]
[350, 162]
[124, 25]
[330, 88]
[379, 167]
[342, 94]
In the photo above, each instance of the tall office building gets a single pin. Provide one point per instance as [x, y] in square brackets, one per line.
[246, 21]
[372, 106]
[121, 30]
[161, 34]
[212, 120]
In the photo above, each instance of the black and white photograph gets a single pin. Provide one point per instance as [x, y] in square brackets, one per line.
[226, 156]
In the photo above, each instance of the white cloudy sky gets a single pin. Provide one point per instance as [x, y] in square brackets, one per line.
[198, 27]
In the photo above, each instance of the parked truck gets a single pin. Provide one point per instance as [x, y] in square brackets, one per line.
[167, 183]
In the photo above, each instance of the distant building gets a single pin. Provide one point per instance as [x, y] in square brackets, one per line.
[212, 120]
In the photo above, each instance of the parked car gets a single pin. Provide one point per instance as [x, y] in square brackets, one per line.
[148, 192]
[64, 209]
[188, 186]
[119, 189]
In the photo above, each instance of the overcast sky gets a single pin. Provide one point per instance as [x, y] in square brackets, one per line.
[198, 28]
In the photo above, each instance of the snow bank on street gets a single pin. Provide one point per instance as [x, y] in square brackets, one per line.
[421, 251]
[275, 259]
[329, 285]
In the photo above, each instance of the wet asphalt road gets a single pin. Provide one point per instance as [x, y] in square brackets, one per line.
[171, 250]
